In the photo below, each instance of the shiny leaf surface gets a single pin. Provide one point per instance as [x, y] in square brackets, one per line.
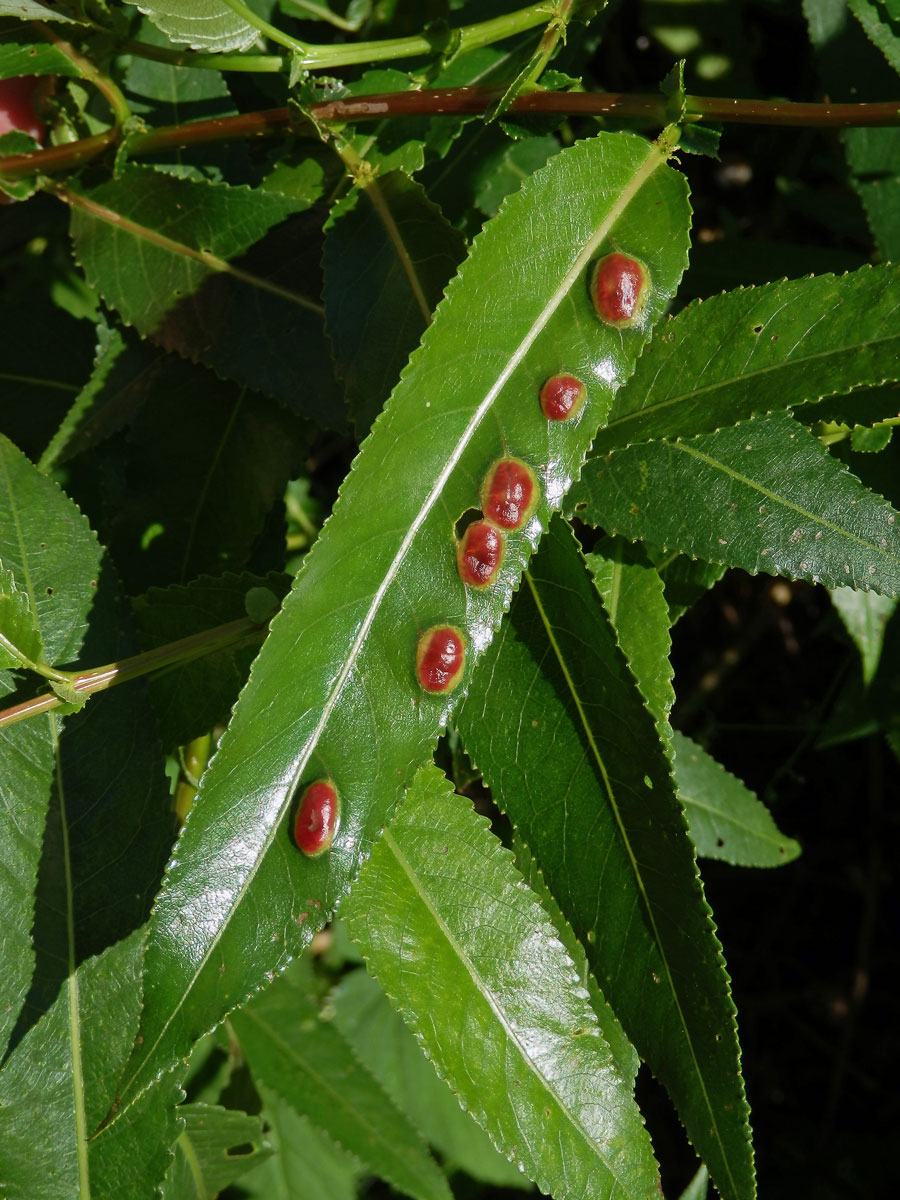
[474, 965]
[333, 693]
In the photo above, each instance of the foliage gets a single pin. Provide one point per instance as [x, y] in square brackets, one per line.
[289, 345]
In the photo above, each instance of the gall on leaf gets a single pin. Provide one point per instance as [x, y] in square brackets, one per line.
[619, 287]
[18, 101]
[479, 554]
[440, 658]
[509, 494]
[562, 397]
[317, 818]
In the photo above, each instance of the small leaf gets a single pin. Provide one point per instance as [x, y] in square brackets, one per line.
[215, 1148]
[473, 964]
[306, 1061]
[635, 602]
[865, 616]
[881, 32]
[31, 10]
[726, 819]
[764, 496]
[49, 551]
[23, 54]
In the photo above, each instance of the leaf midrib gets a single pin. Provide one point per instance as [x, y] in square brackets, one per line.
[486, 993]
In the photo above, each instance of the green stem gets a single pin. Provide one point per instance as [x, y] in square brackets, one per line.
[198, 645]
[467, 37]
[114, 97]
[259, 64]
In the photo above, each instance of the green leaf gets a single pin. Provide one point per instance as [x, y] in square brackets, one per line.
[726, 819]
[624, 1054]
[23, 54]
[685, 579]
[215, 1148]
[764, 496]
[130, 1158]
[31, 10]
[501, 173]
[635, 602]
[305, 1162]
[303, 1058]
[58, 1083]
[147, 226]
[388, 257]
[193, 698]
[334, 690]
[213, 461]
[879, 28]
[110, 800]
[201, 24]
[49, 551]
[865, 616]
[158, 249]
[756, 350]
[50, 555]
[169, 95]
[382, 1042]
[473, 964]
[611, 840]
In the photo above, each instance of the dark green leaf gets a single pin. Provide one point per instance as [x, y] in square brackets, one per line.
[726, 819]
[635, 603]
[502, 173]
[865, 616]
[611, 840]
[764, 496]
[474, 966]
[194, 698]
[334, 690]
[20, 634]
[205, 465]
[303, 1058]
[388, 257]
[159, 250]
[880, 27]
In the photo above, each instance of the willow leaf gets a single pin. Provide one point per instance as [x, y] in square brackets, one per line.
[309, 1064]
[759, 349]
[201, 24]
[763, 496]
[578, 765]
[334, 691]
[61, 1078]
[473, 963]
[49, 559]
